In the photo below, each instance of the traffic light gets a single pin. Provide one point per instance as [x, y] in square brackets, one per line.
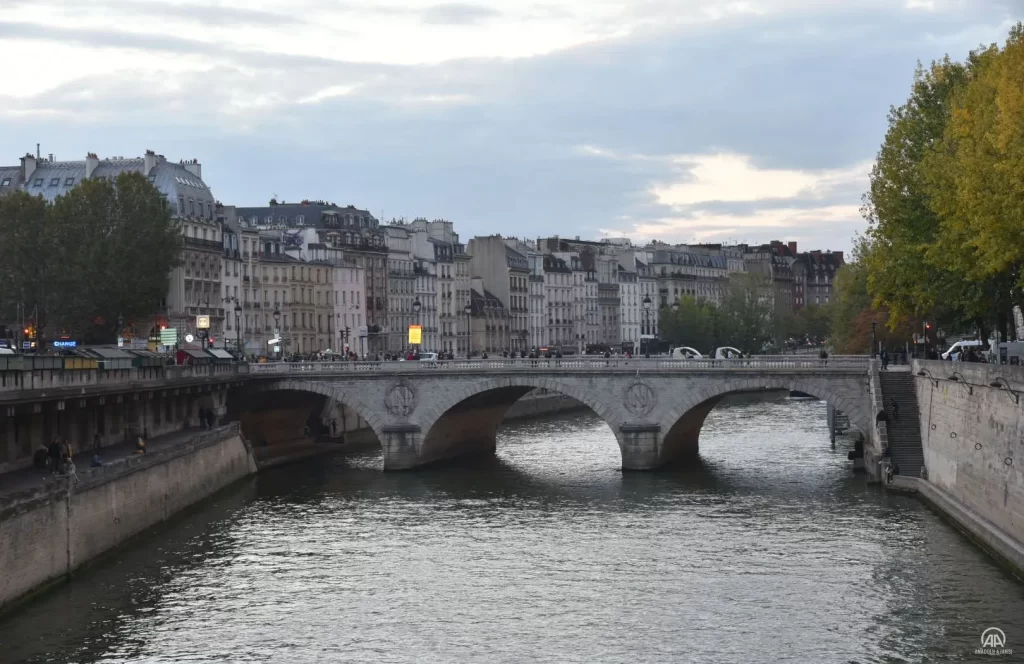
[210, 342]
[348, 332]
[927, 326]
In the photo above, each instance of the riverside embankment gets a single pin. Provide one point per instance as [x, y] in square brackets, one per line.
[51, 529]
[973, 440]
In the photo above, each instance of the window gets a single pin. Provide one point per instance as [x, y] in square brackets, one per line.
[181, 206]
[38, 182]
[191, 208]
[54, 182]
[69, 182]
[6, 182]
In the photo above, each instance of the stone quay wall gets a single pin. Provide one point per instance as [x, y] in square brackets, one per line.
[47, 532]
[973, 438]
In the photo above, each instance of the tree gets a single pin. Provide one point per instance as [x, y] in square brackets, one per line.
[28, 260]
[118, 244]
[852, 313]
[974, 177]
[902, 275]
[694, 324]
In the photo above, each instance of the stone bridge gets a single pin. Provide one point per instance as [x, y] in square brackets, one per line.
[424, 412]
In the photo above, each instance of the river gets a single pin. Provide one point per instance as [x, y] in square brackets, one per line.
[770, 551]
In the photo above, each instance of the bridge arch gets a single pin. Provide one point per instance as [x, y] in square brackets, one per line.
[332, 391]
[465, 421]
[684, 421]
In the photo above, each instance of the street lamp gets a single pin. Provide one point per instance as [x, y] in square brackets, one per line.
[647, 324]
[277, 328]
[238, 328]
[120, 326]
[469, 331]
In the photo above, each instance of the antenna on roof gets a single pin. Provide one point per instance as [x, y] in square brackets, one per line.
[38, 155]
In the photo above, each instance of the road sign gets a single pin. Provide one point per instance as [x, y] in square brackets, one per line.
[203, 322]
[363, 331]
[169, 336]
[189, 338]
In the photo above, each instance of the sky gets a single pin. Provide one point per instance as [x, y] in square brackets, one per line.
[676, 120]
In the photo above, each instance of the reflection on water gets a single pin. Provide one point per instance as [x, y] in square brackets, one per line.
[768, 550]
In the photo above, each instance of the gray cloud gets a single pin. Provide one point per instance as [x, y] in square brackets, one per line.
[796, 92]
[458, 13]
[99, 38]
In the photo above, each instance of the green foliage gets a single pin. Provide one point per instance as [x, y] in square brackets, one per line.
[28, 260]
[103, 250]
[946, 202]
[745, 319]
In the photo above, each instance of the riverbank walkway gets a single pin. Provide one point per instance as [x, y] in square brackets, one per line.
[30, 478]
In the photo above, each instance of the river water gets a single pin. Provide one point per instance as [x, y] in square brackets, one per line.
[770, 551]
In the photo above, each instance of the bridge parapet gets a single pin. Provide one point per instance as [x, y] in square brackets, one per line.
[22, 385]
[774, 363]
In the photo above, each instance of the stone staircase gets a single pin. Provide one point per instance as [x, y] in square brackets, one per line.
[904, 433]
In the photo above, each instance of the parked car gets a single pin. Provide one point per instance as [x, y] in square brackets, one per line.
[685, 353]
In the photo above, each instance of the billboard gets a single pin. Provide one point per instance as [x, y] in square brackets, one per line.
[415, 335]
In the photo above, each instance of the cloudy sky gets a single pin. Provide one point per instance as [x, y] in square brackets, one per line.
[682, 120]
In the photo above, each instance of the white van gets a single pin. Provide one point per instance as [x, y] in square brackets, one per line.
[685, 353]
[961, 346]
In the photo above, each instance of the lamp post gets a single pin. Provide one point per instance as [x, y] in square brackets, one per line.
[120, 326]
[238, 329]
[646, 302]
[469, 331]
[277, 329]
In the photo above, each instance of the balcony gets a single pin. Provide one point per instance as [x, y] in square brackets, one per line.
[199, 243]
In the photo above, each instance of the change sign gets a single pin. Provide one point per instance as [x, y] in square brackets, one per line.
[415, 335]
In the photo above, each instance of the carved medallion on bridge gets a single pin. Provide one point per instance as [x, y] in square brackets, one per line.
[400, 399]
[640, 398]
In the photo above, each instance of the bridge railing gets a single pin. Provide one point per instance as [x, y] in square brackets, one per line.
[569, 364]
[15, 383]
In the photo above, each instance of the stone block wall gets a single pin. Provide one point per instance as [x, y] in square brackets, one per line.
[48, 532]
[972, 436]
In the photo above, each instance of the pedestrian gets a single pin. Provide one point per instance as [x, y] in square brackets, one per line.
[96, 443]
[211, 418]
[885, 359]
[96, 461]
[54, 451]
[895, 407]
[202, 418]
[65, 454]
[140, 445]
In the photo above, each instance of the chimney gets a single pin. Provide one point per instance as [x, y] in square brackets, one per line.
[839, 257]
[91, 162]
[28, 167]
[195, 168]
[150, 163]
[792, 248]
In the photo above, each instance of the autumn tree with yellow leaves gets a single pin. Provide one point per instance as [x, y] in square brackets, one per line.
[946, 203]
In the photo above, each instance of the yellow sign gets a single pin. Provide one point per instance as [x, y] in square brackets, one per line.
[415, 335]
[203, 322]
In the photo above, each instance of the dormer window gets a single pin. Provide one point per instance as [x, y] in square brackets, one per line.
[6, 182]
[69, 182]
[54, 182]
[38, 182]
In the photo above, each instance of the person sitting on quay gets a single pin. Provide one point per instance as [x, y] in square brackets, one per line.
[140, 445]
